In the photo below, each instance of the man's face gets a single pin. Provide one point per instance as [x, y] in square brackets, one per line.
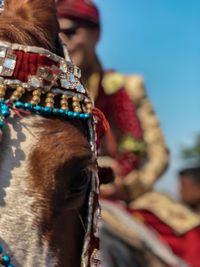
[189, 191]
[81, 41]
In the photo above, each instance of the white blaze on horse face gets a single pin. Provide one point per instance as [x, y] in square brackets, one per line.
[19, 229]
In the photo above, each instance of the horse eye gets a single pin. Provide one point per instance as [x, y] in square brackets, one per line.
[73, 193]
[80, 180]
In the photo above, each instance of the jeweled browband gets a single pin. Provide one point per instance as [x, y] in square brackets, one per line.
[42, 83]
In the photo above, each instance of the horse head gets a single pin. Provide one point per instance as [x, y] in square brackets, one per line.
[48, 181]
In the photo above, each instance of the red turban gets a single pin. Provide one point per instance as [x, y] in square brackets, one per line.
[78, 9]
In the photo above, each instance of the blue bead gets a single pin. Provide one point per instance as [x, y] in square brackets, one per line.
[28, 105]
[47, 110]
[19, 104]
[38, 109]
[75, 114]
[61, 111]
[6, 259]
[69, 113]
[1, 249]
[5, 112]
[82, 116]
[10, 265]
[4, 107]
[55, 111]
[87, 116]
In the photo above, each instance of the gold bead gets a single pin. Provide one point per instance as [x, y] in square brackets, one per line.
[77, 109]
[88, 106]
[64, 97]
[36, 98]
[63, 102]
[17, 94]
[2, 91]
[64, 107]
[20, 89]
[49, 100]
[2, 86]
[49, 105]
[37, 92]
[89, 111]
[50, 95]
[75, 103]
[14, 97]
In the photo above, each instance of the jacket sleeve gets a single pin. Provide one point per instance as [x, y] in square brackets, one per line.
[129, 132]
[139, 181]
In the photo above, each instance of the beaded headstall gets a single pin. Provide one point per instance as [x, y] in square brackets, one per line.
[42, 83]
[35, 81]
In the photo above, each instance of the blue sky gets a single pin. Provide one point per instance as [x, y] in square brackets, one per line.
[159, 39]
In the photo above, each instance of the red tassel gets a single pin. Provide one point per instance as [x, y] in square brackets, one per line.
[18, 112]
[101, 118]
[111, 143]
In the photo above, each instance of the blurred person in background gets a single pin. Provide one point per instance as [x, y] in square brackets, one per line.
[189, 180]
[135, 147]
[177, 223]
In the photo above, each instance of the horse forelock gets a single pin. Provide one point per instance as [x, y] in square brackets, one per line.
[30, 23]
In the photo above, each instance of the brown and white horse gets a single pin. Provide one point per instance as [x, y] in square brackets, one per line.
[45, 163]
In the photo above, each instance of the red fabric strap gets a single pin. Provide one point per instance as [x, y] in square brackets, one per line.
[28, 63]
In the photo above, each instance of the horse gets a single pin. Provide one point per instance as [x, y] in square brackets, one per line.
[48, 173]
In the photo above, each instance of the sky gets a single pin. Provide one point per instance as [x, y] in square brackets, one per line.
[160, 40]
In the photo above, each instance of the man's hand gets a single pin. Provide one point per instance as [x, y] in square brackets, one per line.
[114, 191]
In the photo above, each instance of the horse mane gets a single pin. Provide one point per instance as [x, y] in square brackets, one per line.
[30, 22]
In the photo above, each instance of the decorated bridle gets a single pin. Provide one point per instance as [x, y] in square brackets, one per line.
[42, 83]
[36, 81]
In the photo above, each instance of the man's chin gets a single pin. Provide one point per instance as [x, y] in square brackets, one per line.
[76, 60]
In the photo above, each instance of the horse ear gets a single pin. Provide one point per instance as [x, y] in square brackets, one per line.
[39, 13]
